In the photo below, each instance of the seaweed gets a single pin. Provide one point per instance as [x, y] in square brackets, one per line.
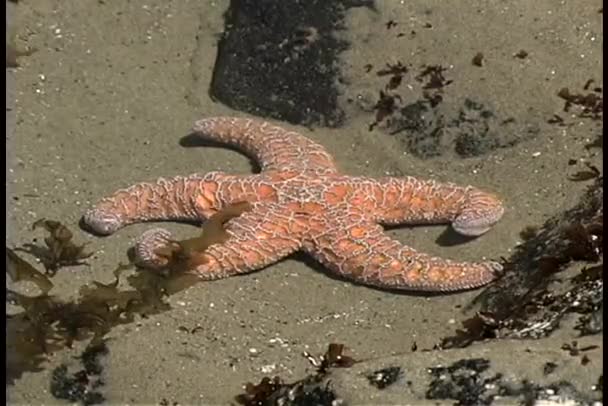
[47, 323]
[184, 255]
[591, 104]
[480, 327]
[584, 241]
[530, 393]
[258, 394]
[387, 103]
[574, 350]
[333, 358]
[59, 251]
[462, 381]
[81, 386]
[384, 107]
[396, 71]
[526, 303]
[434, 76]
[384, 377]
[307, 391]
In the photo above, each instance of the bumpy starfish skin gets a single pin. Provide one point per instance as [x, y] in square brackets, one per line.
[300, 201]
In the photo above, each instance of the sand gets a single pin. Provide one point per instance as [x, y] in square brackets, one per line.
[104, 101]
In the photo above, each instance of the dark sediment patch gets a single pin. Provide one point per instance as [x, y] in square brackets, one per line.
[436, 124]
[471, 130]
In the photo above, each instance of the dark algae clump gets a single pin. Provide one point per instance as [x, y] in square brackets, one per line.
[59, 250]
[81, 386]
[45, 323]
[307, 391]
[462, 381]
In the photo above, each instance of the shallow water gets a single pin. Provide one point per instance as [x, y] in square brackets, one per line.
[103, 103]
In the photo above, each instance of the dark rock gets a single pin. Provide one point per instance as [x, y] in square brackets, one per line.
[278, 59]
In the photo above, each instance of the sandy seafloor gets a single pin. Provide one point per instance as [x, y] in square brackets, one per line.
[102, 104]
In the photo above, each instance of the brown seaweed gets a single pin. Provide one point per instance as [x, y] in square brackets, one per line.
[213, 231]
[304, 391]
[185, 255]
[334, 357]
[47, 323]
[592, 104]
[257, 394]
[396, 71]
[59, 251]
[480, 327]
[574, 350]
[81, 386]
[385, 106]
[544, 254]
[585, 242]
[384, 377]
[434, 74]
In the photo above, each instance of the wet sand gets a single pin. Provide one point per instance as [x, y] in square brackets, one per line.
[104, 101]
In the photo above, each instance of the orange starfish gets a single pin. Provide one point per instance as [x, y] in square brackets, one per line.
[300, 201]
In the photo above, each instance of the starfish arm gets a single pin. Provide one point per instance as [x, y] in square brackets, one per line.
[253, 240]
[471, 211]
[189, 198]
[275, 148]
[362, 252]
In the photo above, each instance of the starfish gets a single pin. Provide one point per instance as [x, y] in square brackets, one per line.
[301, 202]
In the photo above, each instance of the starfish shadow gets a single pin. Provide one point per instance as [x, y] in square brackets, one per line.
[193, 140]
[447, 238]
[450, 238]
[316, 266]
